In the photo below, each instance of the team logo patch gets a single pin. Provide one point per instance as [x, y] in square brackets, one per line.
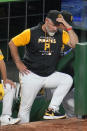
[59, 16]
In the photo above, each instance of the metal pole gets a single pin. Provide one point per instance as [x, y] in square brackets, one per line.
[8, 29]
[26, 15]
[43, 9]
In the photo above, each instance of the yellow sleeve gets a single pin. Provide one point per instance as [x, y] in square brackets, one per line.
[65, 37]
[22, 39]
[1, 55]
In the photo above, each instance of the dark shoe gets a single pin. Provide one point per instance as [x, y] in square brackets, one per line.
[50, 114]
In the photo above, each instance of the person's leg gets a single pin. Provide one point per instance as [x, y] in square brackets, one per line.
[68, 104]
[62, 83]
[30, 86]
[6, 118]
[8, 100]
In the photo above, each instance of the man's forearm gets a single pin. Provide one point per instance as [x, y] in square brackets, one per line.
[73, 37]
[20, 65]
[14, 52]
[3, 70]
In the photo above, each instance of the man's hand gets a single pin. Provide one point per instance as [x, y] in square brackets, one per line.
[7, 81]
[62, 20]
[22, 68]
